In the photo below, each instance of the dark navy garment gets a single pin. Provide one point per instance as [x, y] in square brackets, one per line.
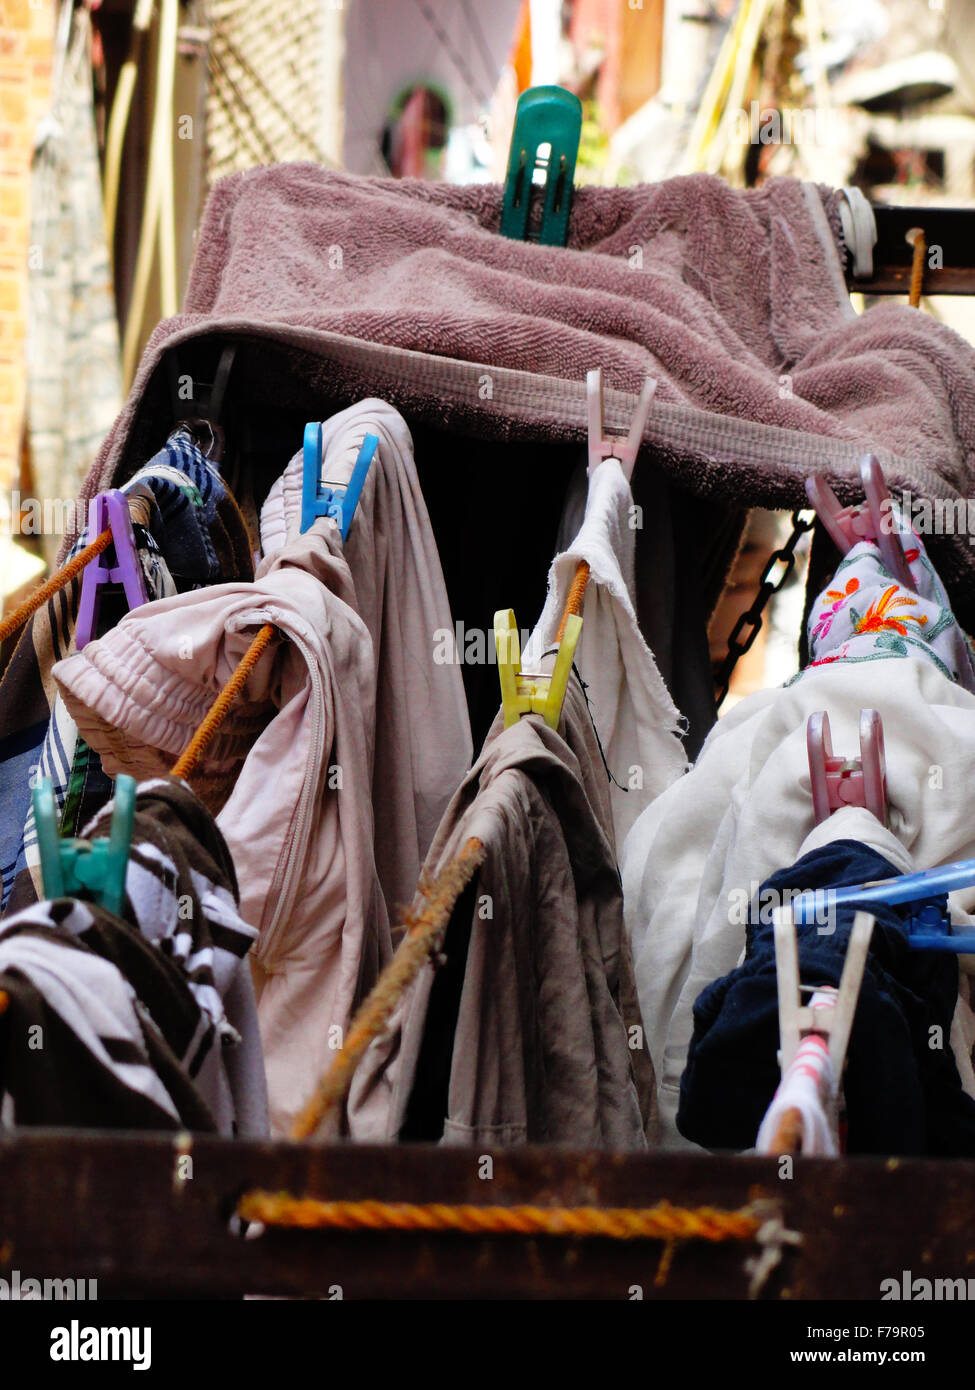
[193, 516]
[901, 1086]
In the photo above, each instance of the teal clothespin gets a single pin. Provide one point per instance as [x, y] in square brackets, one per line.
[544, 116]
[329, 499]
[70, 868]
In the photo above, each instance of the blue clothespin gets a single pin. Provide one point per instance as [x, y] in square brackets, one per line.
[71, 868]
[320, 498]
[929, 928]
[544, 116]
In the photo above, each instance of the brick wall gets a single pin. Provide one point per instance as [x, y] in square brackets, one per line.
[26, 47]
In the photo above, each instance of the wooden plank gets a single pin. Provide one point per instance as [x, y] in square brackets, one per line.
[111, 1207]
[951, 229]
[891, 279]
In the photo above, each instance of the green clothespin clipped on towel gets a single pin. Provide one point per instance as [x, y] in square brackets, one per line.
[70, 868]
[544, 116]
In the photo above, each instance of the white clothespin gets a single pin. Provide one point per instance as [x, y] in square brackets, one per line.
[603, 446]
[795, 1019]
[859, 231]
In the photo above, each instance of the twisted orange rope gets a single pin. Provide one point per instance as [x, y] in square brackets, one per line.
[788, 1136]
[577, 594]
[662, 1222]
[190, 757]
[917, 269]
[423, 933]
[53, 585]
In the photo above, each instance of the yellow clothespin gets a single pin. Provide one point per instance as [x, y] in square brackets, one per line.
[526, 694]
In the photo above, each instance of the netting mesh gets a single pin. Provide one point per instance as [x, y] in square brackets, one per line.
[263, 101]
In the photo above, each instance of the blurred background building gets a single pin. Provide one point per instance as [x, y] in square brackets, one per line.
[116, 116]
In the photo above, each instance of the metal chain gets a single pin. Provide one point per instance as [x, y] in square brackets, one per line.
[802, 521]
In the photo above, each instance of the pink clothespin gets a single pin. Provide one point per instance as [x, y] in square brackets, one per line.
[109, 509]
[838, 782]
[603, 446]
[871, 520]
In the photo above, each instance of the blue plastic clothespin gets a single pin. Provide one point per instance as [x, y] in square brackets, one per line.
[109, 509]
[71, 868]
[929, 928]
[320, 498]
[544, 116]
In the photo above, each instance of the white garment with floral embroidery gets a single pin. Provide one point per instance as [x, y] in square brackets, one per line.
[702, 849]
[867, 615]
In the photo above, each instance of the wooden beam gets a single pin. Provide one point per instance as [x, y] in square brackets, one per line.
[114, 1207]
[951, 229]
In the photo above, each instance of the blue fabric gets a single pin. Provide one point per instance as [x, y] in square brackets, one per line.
[901, 1086]
[19, 754]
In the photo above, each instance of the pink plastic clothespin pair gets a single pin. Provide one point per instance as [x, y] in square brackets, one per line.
[838, 782]
[109, 509]
[871, 520]
[603, 446]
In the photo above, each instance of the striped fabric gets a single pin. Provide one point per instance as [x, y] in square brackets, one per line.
[148, 1019]
[181, 894]
[92, 1063]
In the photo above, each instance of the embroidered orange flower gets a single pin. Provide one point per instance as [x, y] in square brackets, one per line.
[879, 616]
[841, 594]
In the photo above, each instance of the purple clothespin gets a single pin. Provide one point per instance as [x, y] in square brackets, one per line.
[109, 509]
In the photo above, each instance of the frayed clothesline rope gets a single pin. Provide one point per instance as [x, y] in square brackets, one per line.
[424, 929]
[660, 1222]
[53, 585]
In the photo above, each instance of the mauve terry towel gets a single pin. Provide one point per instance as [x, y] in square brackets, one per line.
[733, 299]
